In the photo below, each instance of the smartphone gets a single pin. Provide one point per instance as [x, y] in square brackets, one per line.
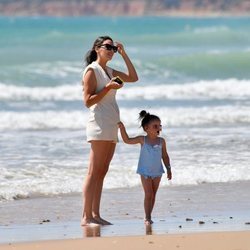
[118, 80]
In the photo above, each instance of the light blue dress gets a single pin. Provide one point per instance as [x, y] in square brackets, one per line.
[150, 160]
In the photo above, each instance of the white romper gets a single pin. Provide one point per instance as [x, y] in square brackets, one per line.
[104, 115]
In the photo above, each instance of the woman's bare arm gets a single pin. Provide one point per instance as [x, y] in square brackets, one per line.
[131, 75]
[89, 86]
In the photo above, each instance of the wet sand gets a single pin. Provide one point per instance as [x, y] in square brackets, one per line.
[204, 241]
[179, 211]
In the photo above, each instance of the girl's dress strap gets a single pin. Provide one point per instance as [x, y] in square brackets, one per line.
[160, 141]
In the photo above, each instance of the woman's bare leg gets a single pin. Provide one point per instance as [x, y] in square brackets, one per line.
[89, 188]
[100, 152]
[110, 149]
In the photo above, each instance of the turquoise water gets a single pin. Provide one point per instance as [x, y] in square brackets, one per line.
[193, 73]
[192, 48]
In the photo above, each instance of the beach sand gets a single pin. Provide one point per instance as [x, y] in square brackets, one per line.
[204, 241]
[205, 216]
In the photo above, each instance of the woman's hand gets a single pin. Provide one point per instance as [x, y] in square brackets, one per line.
[114, 85]
[120, 47]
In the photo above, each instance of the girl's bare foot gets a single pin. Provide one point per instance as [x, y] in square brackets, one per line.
[89, 222]
[101, 221]
[148, 222]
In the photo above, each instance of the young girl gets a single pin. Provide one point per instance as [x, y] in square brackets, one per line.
[153, 151]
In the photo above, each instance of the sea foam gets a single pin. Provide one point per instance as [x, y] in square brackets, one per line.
[216, 89]
[46, 180]
[75, 120]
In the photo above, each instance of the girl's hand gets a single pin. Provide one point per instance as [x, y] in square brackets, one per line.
[120, 125]
[169, 174]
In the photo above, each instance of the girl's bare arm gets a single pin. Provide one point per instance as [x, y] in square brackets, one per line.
[166, 159]
[126, 138]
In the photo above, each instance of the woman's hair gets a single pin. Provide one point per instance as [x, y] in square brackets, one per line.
[146, 118]
[91, 55]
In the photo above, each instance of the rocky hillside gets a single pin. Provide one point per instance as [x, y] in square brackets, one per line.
[123, 7]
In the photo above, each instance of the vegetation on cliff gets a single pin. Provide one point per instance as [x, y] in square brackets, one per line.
[123, 7]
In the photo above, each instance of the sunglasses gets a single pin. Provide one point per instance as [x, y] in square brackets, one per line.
[109, 47]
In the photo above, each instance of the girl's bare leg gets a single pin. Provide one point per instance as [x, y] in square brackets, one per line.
[94, 180]
[156, 182]
[148, 194]
[150, 187]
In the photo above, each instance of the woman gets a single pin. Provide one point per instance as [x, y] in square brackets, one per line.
[102, 130]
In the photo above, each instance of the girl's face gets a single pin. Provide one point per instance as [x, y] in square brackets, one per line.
[153, 128]
[106, 50]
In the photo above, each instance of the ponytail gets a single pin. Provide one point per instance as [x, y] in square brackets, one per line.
[146, 118]
[90, 57]
[142, 114]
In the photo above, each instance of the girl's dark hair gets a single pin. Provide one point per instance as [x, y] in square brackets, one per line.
[146, 118]
[91, 55]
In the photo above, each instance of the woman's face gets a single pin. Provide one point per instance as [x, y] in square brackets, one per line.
[106, 50]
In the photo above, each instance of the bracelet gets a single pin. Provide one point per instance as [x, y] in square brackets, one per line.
[168, 167]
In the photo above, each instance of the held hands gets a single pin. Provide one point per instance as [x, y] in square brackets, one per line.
[120, 125]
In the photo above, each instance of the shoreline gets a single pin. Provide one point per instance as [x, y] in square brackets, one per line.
[214, 207]
[124, 228]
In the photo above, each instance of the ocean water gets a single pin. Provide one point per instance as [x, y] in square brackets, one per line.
[193, 73]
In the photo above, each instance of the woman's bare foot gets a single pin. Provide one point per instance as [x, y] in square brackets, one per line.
[101, 221]
[89, 222]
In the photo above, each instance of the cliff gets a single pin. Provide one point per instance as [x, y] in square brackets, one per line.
[123, 7]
